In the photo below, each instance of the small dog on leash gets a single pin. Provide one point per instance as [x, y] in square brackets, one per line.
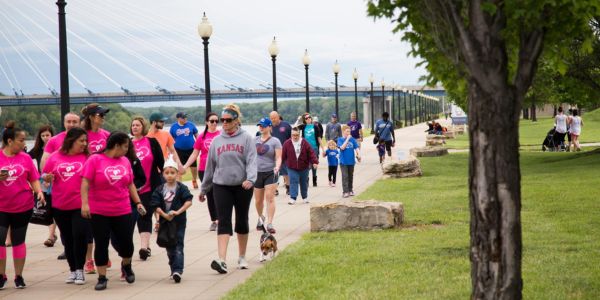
[268, 244]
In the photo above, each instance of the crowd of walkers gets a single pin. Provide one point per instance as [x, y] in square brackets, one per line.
[100, 185]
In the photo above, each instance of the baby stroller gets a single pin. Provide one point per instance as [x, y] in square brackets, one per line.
[548, 142]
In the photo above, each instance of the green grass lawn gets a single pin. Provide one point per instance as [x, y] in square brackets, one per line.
[429, 258]
[532, 134]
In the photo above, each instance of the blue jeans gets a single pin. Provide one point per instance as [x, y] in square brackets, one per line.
[298, 177]
[175, 254]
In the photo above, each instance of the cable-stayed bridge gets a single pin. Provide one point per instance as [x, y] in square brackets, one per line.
[136, 54]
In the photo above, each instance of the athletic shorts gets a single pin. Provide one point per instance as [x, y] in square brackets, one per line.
[184, 155]
[263, 179]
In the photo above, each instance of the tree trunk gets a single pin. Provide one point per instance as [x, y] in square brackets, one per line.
[525, 114]
[533, 112]
[495, 193]
[555, 112]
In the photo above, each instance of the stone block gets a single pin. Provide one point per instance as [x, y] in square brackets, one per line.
[356, 215]
[428, 151]
[450, 134]
[410, 167]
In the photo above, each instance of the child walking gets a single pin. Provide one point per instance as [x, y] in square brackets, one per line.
[381, 150]
[349, 154]
[332, 154]
[170, 200]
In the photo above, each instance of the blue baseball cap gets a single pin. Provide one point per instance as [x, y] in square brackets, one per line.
[265, 122]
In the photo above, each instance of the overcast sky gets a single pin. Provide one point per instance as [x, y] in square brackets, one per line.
[141, 43]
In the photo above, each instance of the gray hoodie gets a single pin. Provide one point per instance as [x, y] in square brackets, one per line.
[231, 160]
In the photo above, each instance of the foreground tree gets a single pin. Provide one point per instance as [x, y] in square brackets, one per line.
[490, 49]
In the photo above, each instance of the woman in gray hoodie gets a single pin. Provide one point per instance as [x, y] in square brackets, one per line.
[231, 174]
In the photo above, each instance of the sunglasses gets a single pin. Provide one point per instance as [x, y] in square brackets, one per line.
[100, 115]
[308, 117]
[213, 121]
[226, 120]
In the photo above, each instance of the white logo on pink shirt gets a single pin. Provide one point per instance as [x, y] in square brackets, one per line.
[67, 170]
[207, 143]
[114, 173]
[97, 145]
[142, 152]
[14, 171]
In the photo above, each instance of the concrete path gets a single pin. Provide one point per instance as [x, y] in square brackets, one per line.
[45, 275]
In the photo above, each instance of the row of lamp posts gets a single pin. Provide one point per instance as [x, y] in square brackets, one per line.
[424, 106]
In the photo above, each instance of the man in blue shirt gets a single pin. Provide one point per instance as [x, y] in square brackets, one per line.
[184, 133]
[355, 128]
[282, 130]
[384, 129]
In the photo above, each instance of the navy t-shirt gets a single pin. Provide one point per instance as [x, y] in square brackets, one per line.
[283, 131]
[347, 155]
[355, 128]
[184, 135]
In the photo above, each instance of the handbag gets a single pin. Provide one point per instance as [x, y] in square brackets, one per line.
[42, 214]
[376, 139]
[167, 234]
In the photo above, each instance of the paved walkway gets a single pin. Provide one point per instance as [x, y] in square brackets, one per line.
[45, 275]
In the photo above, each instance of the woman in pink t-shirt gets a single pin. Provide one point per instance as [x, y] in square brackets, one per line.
[18, 175]
[93, 121]
[149, 152]
[63, 169]
[106, 189]
[201, 146]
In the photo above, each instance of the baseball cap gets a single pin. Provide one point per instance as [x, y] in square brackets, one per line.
[97, 110]
[334, 116]
[181, 115]
[157, 117]
[264, 122]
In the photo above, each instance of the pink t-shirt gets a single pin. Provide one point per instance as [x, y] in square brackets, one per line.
[144, 154]
[109, 180]
[66, 187]
[15, 192]
[203, 145]
[97, 140]
[55, 143]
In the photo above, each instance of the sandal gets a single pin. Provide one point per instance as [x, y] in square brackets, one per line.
[50, 241]
[156, 225]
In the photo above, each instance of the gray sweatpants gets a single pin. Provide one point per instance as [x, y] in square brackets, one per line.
[347, 178]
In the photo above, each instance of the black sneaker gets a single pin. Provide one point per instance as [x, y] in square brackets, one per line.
[177, 277]
[19, 282]
[62, 256]
[102, 282]
[149, 251]
[3, 280]
[220, 267]
[314, 181]
[144, 254]
[129, 275]
[287, 190]
[260, 224]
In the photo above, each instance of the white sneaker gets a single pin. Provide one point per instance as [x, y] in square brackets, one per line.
[71, 278]
[292, 201]
[242, 263]
[305, 200]
[79, 277]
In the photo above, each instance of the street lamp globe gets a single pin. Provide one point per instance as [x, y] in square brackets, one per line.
[205, 28]
[306, 58]
[336, 68]
[382, 82]
[273, 49]
[371, 79]
[355, 74]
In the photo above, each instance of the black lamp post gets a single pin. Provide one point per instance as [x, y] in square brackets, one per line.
[393, 112]
[273, 51]
[371, 80]
[355, 77]
[205, 31]
[65, 102]
[404, 92]
[336, 71]
[410, 104]
[382, 95]
[306, 62]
